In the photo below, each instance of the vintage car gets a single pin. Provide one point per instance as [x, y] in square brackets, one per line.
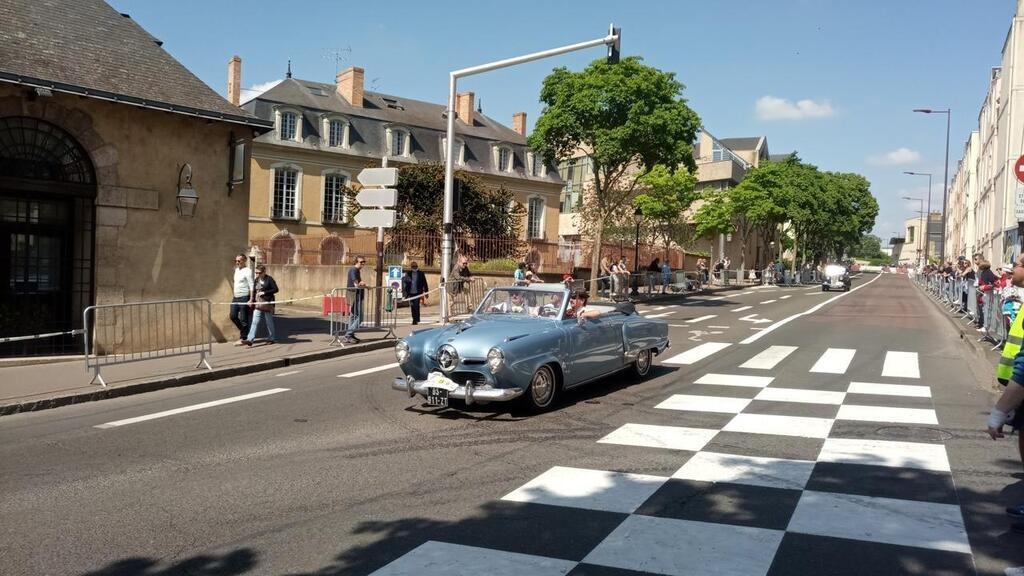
[522, 341]
[837, 277]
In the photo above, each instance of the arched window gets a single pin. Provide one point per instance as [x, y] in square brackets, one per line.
[283, 248]
[332, 250]
[288, 122]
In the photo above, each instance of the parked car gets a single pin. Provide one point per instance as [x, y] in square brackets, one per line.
[520, 342]
[837, 277]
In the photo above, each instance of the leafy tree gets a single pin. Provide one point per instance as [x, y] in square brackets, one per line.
[665, 196]
[870, 246]
[629, 117]
[480, 211]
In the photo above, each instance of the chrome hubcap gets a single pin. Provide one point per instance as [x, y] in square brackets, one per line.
[643, 361]
[543, 386]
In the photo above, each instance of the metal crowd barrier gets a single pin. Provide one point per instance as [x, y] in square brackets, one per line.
[961, 297]
[343, 304]
[122, 333]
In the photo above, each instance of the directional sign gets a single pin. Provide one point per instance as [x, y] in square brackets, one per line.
[373, 218]
[378, 177]
[378, 197]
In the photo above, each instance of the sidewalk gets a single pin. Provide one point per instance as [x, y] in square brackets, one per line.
[63, 381]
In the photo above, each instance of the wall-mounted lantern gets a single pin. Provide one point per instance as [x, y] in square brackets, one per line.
[187, 196]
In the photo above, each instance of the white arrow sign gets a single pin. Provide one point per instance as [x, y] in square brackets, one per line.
[753, 318]
[379, 197]
[378, 177]
[368, 218]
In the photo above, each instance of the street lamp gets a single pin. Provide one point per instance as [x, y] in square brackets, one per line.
[921, 214]
[612, 40]
[927, 231]
[945, 177]
[637, 213]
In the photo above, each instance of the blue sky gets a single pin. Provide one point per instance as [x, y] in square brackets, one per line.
[833, 80]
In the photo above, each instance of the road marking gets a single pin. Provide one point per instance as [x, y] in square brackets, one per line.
[671, 437]
[801, 396]
[735, 380]
[885, 453]
[698, 353]
[742, 308]
[369, 370]
[442, 559]
[755, 337]
[786, 296]
[716, 298]
[658, 315]
[719, 327]
[748, 470]
[192, 408]
[887, 414]
[889, 389]
[753, 318]
[702, 318]
[691, 403]
[901, 365]
[814, 290]
[801, 426]
[658, 308]
[767, 301]
[747, 293]
[679, 325]
[769, 357]
[834, 361]
[288, 373]
[590, 489]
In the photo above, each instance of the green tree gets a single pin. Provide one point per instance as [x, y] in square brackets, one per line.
[870, 246]
[629, 117]
[665, 196]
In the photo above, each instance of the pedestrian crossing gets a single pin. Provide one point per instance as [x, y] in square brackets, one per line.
[773, 474]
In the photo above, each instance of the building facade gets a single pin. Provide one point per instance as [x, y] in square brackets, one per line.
[912, 250]
[98, 134]
[325, 134]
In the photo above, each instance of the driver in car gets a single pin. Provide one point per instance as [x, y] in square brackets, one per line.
[552, 307]
[516, 305]
[578, 306]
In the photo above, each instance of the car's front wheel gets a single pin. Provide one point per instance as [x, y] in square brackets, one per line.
[642, 365]
[544, 388]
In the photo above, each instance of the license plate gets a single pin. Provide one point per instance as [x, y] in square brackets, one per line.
[437, 397]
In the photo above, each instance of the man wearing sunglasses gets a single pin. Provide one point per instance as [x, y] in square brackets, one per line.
[240, 297]
[356, 294]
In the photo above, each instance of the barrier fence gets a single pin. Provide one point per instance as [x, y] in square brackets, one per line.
[122, 333]
[371, 308]
[992, 311]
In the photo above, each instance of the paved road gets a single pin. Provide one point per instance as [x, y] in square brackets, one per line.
[842, 441]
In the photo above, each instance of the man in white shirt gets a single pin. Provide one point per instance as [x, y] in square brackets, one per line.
[241, 297]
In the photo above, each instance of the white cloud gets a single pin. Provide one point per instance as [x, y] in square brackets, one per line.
[896, 157]
[255, 90]
[772, 108]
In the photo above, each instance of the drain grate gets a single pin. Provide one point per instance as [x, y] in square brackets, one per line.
[915, 433]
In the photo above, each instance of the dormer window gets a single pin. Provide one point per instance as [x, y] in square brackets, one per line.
[459, 151]
[504, 159]
[289, 125]
[533, 163]
[335, 132]
[398, 141]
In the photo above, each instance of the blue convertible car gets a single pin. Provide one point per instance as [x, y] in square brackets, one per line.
[526, 341]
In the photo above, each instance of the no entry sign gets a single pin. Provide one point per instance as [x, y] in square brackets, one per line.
[1018, 169]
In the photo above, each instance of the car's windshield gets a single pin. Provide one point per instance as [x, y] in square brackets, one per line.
[526, 303]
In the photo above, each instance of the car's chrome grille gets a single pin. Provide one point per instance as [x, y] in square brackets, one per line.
[461, 377]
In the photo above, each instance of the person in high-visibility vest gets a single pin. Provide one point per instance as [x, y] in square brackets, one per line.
[1010, 373]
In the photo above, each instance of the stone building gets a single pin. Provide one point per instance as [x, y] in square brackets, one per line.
[324, 134]
[97, 123]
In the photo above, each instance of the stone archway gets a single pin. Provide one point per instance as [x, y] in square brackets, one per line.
[283, 249]
[332, 250]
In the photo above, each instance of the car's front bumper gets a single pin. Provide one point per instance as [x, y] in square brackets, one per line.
[468, 392]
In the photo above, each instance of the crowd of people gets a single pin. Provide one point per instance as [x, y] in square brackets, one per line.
[976, 277]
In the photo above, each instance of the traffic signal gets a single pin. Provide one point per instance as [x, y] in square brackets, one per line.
[613, 48]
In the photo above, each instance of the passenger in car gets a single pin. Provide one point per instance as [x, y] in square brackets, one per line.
[578, 306]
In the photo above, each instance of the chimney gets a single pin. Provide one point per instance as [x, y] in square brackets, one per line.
[350, 85]
[234, 80]
[519, 123]
[464, 107]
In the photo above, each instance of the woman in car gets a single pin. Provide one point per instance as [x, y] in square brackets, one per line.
[578, 306]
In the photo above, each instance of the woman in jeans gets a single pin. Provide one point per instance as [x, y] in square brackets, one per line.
[264, 289]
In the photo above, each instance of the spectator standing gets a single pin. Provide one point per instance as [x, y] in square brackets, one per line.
[264, 289]
[1010, 373]
[414, 288]
[531, 275]
[666, 276]
[623, 276]
[986, 285]
[702, 270]
[241, 295]
[357, 295]
[519, 276]
[719, 267]
[653, 269]
[606, 272]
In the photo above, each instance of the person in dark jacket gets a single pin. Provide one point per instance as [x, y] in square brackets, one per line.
[414, 289]
[264, 289]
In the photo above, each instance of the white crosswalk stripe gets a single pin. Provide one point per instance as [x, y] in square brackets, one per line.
[834, 361]
[901, 365]
[698, 353]
[769, 357]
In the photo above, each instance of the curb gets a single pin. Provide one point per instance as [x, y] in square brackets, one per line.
[189, 379]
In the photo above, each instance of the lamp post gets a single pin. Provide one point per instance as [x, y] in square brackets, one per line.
[921, 214]
[637, 213]
[928, 222]
[611, 41]
[945, 178]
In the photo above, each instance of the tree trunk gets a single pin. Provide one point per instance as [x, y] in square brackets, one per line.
[595, 258]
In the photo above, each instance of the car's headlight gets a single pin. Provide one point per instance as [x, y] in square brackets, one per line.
[402, 351]
[495, 360]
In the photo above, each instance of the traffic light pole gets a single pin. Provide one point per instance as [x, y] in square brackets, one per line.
[611, 40]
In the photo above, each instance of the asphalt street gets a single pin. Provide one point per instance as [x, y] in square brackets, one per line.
[787, 431]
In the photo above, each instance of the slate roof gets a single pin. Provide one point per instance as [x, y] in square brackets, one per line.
[86, 47]
[424, 120]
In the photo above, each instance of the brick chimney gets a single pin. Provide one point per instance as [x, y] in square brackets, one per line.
[464, 107]
[234, 80]
[350, 85]
[519, 123]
